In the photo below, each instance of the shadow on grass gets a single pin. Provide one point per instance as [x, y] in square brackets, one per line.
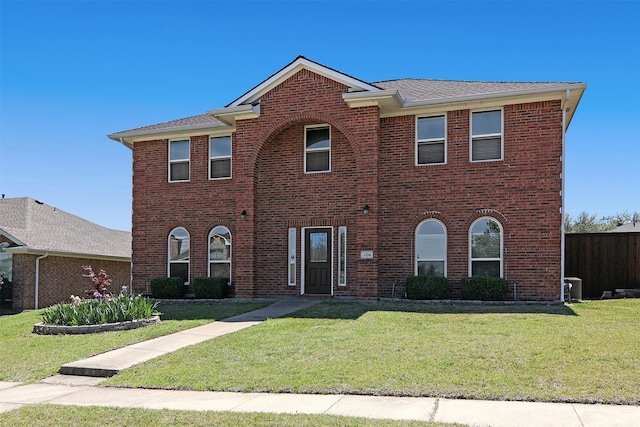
[354, 309]
[207, 311]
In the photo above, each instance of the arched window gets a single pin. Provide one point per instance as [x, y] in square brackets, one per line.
[178, 249]
[220, 252]
[431, 249]
[485, 248]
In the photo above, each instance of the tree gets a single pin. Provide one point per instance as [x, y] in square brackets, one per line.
[586, 223]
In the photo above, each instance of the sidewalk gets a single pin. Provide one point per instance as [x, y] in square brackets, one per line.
[84, 391]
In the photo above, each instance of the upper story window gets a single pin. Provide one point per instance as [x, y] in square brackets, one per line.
[317, 149]
[486, 135]
[179, 160]
[179, 251]
[431, 140]
[220, 157]
[485, 241]
[431, 249]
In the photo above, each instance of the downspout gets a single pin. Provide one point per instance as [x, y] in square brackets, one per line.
[563, 179]
[35, 302]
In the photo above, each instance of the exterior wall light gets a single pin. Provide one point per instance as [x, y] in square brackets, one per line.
[365, 210]
[243, 214]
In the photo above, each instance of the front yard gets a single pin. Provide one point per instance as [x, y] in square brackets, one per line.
[586, 352]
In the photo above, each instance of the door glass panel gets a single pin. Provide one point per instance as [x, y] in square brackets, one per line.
[318, 247]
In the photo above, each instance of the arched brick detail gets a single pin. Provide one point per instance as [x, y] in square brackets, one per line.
[430, 215]
[491, 213]
[275, 129]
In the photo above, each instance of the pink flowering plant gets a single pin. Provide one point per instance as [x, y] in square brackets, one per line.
[99, 306]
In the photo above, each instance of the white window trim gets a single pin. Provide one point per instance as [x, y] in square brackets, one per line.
[501, 259]
[187, 160]
[292, 257]
[342, 230]
[432, 140]
[230, 157]
[209, 261]
[487, 135]
[415, 245]
[169, 261]
[317, 150]
[303, 236]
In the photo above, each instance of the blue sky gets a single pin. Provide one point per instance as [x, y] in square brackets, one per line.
[72, 72]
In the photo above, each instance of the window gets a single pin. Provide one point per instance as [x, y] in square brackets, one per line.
[431, 249]
[485, 241]
[486, 135]
[220, 157]
[179, 160]
[317, 149]
[220, 253]
[292, 257]
[431, 140]
[178, 248]
[342, 256]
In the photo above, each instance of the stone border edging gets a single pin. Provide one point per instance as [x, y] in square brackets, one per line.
[44, 329]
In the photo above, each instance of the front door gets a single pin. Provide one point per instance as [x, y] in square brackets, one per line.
[317, 262]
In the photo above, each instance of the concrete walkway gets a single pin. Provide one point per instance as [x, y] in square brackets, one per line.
[83, 390]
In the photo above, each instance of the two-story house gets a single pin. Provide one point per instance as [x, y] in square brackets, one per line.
[317, 183]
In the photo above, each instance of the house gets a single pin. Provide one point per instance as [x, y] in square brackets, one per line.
[43, 250]
[315, 182]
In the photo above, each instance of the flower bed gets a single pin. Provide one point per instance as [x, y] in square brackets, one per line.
[44, 329]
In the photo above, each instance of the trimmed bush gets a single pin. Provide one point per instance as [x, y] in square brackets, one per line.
[210, 287]
[426, 287]
[6, 292]
[483, 288]
[167, 287]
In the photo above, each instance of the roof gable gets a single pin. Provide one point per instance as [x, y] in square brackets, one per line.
[292, 68]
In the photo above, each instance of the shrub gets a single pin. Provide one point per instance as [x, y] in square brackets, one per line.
[6, 290]
[210, 287]
[426, 287]
[99, 311]
[483, 288]
[167, 287]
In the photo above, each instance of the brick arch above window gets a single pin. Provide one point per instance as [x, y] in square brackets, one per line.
[430, 215]
[278, 127]
[490, 213]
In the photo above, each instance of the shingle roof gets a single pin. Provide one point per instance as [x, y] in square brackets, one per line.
[425, 90]
[41, 227]
[202, 119]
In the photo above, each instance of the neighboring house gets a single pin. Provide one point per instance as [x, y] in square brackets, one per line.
[631, 227]
[317, 183]
[43, 250]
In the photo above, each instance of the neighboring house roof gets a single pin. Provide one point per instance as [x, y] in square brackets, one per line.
[632, 227]
[394, 97]
[35, 227]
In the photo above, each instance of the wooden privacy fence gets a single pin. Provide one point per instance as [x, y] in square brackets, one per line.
[604, 261]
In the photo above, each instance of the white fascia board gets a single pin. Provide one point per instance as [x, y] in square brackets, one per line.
[389, 99]
[8, 235]
[293, 68]
[229, 115]
[22, 250]
[129, 138]
[491, 100]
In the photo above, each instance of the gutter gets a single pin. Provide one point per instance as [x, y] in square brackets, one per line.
[37, 290]
[562, 196]
[18, 250]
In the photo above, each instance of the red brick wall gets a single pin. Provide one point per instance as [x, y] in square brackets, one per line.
[60, 277]
[372, 162]
[522, 192]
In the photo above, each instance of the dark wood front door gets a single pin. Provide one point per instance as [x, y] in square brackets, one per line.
[317, 262]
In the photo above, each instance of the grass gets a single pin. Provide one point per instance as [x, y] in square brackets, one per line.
[586, 352]
[27, 357]
[97, 416]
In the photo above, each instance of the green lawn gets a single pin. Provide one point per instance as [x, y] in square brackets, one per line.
[26, 356]
[586, 352]
[102, 417]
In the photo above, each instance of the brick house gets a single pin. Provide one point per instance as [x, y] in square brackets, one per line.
[43, 250]
[317, 183]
